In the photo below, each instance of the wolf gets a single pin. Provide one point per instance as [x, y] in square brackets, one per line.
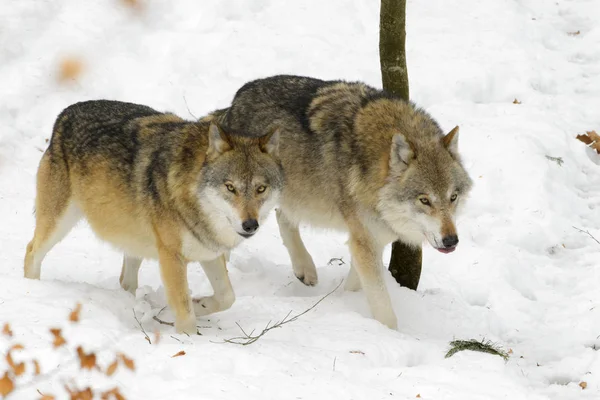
[159, 187]
[357, 159]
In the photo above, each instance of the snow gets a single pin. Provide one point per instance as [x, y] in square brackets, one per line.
[522, 276]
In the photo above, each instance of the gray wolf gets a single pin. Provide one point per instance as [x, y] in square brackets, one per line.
[156, 187]
[357, 159]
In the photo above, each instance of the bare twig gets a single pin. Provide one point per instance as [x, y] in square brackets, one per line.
[334, 360]
[249, 338]
[188, 107]
[160, 321]
[557, 160]
[587, 233]
[141, 327]
[339, 260]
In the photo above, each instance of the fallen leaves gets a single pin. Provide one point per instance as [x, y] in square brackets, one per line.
[583, 385]
[112, 368]
[6, 385]
[592, 139]
[86, 361]
[6, 331]
[69, 69]
[74, 316]
[58, 339]
[112, 394]
[128, 362]
[576, 33]
[84, 394]
[515, 101]
[15, 379]
[178, 354]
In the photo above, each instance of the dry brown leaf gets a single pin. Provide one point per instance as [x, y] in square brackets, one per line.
[6, 330]
[6, 385]
[112, 394]
[515, 101]
[16, 347]
[86, 361]
[70, 68]
[85, 394]
[36, 367]
[58, 339]
[46, 396]
[583, 385]
[9, 359]
[591, 138]
[179, 354]
[574, 33]
[356, 352]
[418, 396]
[74, 315]
[112, 368]
[510, 351]
[127, 361]
[19, 369]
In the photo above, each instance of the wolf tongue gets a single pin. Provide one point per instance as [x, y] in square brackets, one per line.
[446, 251]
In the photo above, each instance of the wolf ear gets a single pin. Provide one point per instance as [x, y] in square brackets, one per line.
[269, 143]
[218, 142]
[401, 153]
[450, 141]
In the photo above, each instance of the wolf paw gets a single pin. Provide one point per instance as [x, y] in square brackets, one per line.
[308, 279]
[187, 325]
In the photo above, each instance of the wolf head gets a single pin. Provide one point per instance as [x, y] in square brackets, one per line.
[242, 178]
[425, 189]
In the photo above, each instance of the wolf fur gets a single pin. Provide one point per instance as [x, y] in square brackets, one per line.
[357, 159]
[156, 187]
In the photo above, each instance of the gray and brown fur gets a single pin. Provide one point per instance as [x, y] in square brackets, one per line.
[358, 159]
[158, 187]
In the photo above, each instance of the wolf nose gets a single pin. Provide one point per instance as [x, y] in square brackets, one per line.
[450, 241]
[250, 225]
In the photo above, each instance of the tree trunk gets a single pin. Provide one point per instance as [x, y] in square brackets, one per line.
[405, 262]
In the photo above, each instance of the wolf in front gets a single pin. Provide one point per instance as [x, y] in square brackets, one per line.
[361, 160]
[155, 186]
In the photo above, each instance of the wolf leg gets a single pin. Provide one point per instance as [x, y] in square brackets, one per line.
[173, 270]
[302, 262]
[55, 215]
[366, 261]
[352, 281]
[223, 297]
[129, 273]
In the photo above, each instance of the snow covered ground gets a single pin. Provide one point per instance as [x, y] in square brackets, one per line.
[522, 276]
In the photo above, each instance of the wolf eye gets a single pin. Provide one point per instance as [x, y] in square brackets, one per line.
[453, 197]
[261, 189]
[425, 201]
[230, 187]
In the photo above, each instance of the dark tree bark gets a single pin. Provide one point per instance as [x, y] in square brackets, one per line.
[405, 262]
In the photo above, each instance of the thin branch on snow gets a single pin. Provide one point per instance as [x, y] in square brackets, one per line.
[249, 338]
[160, 321]
[188, 107]
[141, 327]
[587, 233]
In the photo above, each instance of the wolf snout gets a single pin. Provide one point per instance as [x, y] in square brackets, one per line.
[449, 243]
[250, 226]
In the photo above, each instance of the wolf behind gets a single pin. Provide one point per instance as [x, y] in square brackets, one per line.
[361, 160]
[155, 186]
